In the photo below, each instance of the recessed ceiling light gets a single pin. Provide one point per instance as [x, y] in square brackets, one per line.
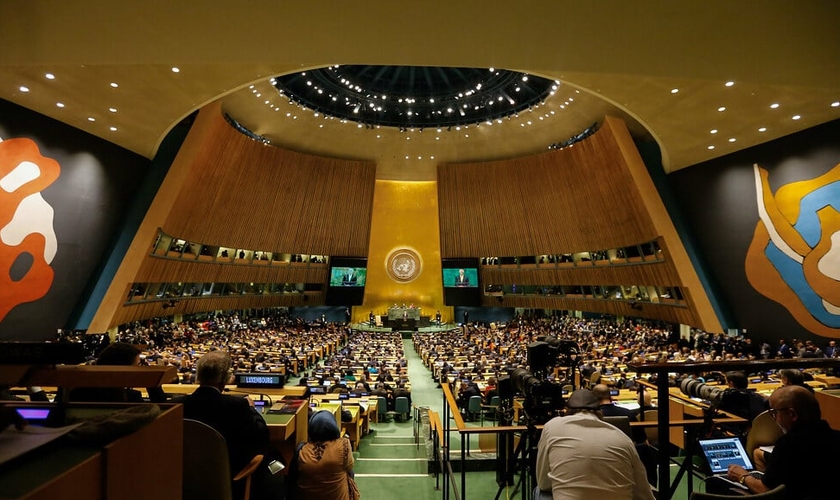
[722, 108]
[835, 104]
[406, 157]
[114, 84]
[321, 126]
[113, 129]
[24, 89]
[49, 76]
[112, 110]
[91, 119]
[763, 129]
[59, 104]
[431, 157]
[796, 117]
[674, 91]
[731, 139]
[713, 131]
[729, 84]
[711, 147]
[176, 69]
[774, 105]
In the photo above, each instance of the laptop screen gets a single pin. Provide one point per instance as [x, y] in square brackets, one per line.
[721, 453]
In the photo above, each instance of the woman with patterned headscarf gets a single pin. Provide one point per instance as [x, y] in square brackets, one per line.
[325, 462]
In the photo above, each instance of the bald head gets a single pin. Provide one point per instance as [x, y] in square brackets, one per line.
[602, 392]
[800, 400]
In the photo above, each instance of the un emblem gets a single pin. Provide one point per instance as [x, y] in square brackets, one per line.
[403, 265]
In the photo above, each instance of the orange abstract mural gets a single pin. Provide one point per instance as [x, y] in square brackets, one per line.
[794, 257]
[27, 235]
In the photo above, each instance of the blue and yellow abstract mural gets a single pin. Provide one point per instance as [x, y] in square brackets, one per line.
[794, 256]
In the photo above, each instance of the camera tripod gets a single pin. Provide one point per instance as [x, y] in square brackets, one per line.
[522, 460]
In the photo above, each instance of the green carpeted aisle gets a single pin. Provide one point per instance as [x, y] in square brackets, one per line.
[390, 465]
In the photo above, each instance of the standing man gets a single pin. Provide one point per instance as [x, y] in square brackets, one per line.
[350, 277]
[580, 456]
[462, 279]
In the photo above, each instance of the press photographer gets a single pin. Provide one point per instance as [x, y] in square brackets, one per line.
[736, 398]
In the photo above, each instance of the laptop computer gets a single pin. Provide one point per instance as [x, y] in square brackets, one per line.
[720, 453]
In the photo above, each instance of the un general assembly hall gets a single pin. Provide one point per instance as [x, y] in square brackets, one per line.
[437, 190]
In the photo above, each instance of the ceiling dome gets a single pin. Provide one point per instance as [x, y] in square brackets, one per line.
[414, 96]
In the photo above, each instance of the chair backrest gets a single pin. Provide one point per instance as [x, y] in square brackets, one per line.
[777, 493]
[382, 406]
[763, 432]
[495, 401]
[206, 465]
[401, 404]
[652, 432]
[622, 422]
[474, 404]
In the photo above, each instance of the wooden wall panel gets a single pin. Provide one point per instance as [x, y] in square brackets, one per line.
[147, 310]
[658, 274]
[575, 199]
[156, 270]
[663, 312]
[242, 194]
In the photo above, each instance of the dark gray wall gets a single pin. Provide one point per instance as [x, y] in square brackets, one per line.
[97, 184]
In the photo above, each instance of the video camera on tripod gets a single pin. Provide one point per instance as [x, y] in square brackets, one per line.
[548, 352]
[542, 400]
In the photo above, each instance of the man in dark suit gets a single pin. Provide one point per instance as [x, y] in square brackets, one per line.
[462, 279]
[350, 277]
[234, 417]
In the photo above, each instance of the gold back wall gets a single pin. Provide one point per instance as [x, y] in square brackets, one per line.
[405, 216]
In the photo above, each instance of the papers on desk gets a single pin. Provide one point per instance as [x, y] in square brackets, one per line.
[14, 443]
[363, 404]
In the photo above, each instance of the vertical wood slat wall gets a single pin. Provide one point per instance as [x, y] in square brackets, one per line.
[242, 194]
[575, 199]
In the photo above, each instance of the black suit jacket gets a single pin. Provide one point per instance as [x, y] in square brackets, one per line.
[242, 427]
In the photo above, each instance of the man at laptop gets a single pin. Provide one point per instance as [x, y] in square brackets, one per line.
[800, 458]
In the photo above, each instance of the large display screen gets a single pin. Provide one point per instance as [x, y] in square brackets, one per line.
[464, 277]
[461, 286]
[348, 276]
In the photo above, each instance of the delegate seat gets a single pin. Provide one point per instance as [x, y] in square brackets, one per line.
[489, 410]
[763, 432]
[206, 468]
[381, 409]
[474, 407]
[401, 408]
